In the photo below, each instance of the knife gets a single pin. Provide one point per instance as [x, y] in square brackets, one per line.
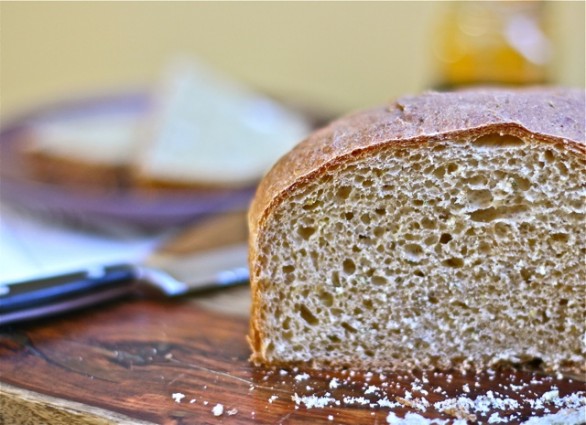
[166, 275]
[210, 253]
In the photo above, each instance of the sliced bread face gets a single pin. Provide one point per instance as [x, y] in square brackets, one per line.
[459, 249]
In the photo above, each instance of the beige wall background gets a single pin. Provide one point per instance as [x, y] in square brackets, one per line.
[335, 56]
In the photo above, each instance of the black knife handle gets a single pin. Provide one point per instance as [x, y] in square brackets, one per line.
[50, 295]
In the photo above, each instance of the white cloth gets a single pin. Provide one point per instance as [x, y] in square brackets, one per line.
[31, 247]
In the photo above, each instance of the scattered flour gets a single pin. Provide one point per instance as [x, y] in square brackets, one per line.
[563, 417]
[356, 400]
[178, 397]
[467, 406]
[301, 377]
[416, 419]
[491, 407]
[218, 410]
[312, 401]
[481, 404]
[334, 383]
[371, 389]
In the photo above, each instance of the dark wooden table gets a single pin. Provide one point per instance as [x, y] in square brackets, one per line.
[186, 362]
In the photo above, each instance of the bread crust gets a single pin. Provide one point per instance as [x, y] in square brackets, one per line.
[75, 174]
[414, 121]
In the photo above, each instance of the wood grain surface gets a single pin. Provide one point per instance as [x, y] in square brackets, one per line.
[180, 361]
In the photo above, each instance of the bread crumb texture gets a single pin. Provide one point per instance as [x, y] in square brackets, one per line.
[461, 252]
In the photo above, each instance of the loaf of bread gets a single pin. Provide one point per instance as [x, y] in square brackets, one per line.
[442, 231]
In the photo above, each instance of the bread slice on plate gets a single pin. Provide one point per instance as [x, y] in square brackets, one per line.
[202, 131]
[210, 131]
[93, 150]
[445, 230]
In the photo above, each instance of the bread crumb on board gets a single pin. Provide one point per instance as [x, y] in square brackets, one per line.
[178, 397]
[218, 409]
[232, 412]
[533, 401]
[420, 398]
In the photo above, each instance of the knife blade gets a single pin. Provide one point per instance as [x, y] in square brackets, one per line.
[167, 275]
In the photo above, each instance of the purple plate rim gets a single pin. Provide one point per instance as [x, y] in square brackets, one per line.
[160, 208]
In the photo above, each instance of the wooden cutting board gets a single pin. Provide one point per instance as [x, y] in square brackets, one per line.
[186, 362]
[125, 362]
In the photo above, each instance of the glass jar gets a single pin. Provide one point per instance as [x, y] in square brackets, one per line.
[493, 42]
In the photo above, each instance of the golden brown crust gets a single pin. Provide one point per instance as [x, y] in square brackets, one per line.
[414, 121]
[74, 174]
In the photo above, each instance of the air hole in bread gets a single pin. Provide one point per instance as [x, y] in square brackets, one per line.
[378, 231]
[413, 252]
[522, 183]
[445, 238]
[461, 304]
[336, 312]
[334, 338]
[286, 323]
[549, 156]
[343, 193]
[348, 266]
[563, 169]
[498, 141]
[479, 198]
[430, 240]
[314, 259]
[439, 172]
[378, 280]
[365, 218]
[494, 213]
[307, 315]
[428, 223]
[454, 262]
[560, 237]
[306, 232]
[335, 278]
[311, 206]
[432, 299]
[326, 298]
[502, 229]
[451, 167]
[476, 182]
[348, 327]
[367, 303]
